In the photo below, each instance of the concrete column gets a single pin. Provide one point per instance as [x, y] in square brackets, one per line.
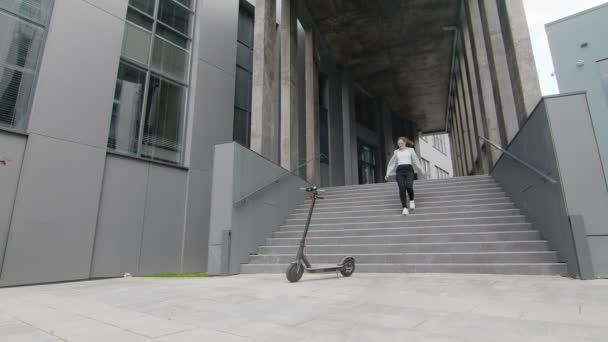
[470, 117]
[457, 138]
[311, 68]
[453, 150]
[289, 85]
[459, 149]
[503, 89]
[476, 100]
[263, 123]
[464, 131]
[483, 75]
[349, 131]
[466, 116]
[520, 56]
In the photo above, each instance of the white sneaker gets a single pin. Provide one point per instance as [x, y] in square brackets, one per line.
[412, 205]
[405, 212]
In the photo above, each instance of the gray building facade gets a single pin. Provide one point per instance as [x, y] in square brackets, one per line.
[580, 58]
[110, 112]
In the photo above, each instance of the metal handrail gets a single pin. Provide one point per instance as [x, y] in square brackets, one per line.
[278, 179]
[514, 157]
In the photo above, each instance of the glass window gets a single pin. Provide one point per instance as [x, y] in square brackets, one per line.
[136, 44]
[426, 166]
[367, 164]
[152, 82]
[164, 119]
[170, 60]
[175, 16]
[244, 77]
[146, 6]
[126, 111]
[439, 143]
[243, 89]
[365, 110]
[22, 34]
[34, 10]
[242, 123]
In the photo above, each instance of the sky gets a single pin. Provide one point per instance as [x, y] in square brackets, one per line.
[539, 13]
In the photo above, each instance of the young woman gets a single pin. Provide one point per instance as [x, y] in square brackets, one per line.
[402, 165]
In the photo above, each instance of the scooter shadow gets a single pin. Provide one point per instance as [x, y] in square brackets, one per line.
[318, 278]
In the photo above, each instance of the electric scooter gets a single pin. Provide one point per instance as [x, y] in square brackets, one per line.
[295, 270]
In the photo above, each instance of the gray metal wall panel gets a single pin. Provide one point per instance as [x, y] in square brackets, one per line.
[213, 114]
[579, 161]
[117, 8]
[121, 217]
[55, 214]
[161, 247]
[12, 148]
[77, 76]
[222, 196]
[197, 222]
[543, 202]
[255, 220]
[566, 50]
[599, 255]
[218, 33]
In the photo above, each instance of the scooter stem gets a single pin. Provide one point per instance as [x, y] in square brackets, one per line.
[303, 241]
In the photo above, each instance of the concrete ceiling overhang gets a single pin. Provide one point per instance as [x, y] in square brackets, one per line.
[398, 50]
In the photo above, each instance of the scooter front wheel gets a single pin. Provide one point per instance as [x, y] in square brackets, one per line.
[294, 272]
[348, 266]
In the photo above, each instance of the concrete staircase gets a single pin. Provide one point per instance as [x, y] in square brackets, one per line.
[461, 225]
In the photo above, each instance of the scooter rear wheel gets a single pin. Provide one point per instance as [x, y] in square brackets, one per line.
[294, 272]
[348, 266]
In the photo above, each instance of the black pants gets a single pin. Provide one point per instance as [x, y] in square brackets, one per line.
[405, 179]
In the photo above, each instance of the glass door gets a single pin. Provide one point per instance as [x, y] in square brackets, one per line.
[367, 163]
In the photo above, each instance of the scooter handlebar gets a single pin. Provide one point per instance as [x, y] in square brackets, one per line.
[312, 189]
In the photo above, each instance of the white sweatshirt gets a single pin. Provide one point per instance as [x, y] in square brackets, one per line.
[406, 156]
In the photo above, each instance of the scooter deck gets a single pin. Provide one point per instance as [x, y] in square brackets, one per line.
[324, 269]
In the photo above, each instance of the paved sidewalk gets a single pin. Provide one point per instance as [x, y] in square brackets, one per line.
[366, 307]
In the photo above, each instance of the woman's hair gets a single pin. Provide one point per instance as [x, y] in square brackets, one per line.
[408, 142]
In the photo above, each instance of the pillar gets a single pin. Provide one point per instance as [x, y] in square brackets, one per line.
[464, 118]
[520, 57]
[476, 100]
[464, 131]
[263, 95]
[484, 77]
[470, 112]
[313, 166]
[503, 90]
[289, 85]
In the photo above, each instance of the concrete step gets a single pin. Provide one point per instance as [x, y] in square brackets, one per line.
[418, 258]
[401, 222]
[528, 235]
[503, 268]
[420, 182]
[395, 197]
[418, 193]
[420, 209]
[406, 231]
[435, 247]
[419, 188]
[303, 209]
[412, 217]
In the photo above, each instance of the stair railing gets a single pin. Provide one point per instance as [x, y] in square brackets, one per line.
[243, 199]
[515, 158]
